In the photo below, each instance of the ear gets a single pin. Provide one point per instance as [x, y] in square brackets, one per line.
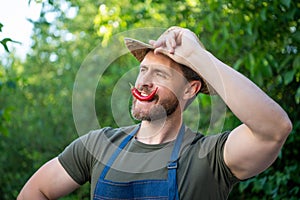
[193, 87]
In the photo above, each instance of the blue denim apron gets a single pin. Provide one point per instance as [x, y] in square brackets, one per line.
[141, 189]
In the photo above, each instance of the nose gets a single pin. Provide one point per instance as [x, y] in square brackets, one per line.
[144, 80]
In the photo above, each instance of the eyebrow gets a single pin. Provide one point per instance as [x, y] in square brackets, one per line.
[143, 66]
[158, 68]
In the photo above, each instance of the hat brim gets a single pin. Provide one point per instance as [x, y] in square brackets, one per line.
[139, 50]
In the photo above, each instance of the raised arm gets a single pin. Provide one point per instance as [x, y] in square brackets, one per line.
[51, 181]
[254, 145]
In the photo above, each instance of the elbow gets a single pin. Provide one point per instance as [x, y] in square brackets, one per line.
[288, 126]
[284, 129]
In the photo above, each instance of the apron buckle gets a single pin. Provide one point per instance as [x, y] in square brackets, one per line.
[172, 164]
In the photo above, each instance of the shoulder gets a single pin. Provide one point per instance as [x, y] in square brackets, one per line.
[210, 147]
[206, 143]
[97, 140]
[80, 156]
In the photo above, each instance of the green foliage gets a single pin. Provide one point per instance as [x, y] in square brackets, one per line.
[4, 41]
[258, 38]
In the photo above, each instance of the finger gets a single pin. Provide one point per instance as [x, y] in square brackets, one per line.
[170, 45]
[159, 50]
[152, 42]
[159, 43]
[179, 38]
[172, 41]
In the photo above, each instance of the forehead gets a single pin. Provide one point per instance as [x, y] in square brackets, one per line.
[160, 60]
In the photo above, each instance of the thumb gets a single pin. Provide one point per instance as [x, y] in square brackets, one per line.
[161, 50]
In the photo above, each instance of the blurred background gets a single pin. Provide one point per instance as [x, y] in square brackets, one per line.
[259, 38]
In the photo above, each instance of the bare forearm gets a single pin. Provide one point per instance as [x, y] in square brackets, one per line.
[247, 101]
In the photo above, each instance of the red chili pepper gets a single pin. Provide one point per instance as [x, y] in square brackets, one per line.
[137, 94]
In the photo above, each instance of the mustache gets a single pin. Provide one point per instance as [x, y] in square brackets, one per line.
[147, 90]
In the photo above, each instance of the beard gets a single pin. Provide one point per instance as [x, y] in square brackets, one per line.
[161, 110]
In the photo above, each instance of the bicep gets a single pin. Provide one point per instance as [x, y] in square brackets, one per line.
[247, 155]
[50, 181]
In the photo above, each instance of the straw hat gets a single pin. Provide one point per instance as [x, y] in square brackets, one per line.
[140, 49]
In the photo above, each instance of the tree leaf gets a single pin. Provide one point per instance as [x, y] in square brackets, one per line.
[4, 43]
[286, 3]
[266, 71]
[238, 63]
[285, 62]
[296, 63]
[297, 96]
[288, 77]
[296, 36]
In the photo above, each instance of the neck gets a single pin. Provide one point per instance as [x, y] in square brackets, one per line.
[159, 131]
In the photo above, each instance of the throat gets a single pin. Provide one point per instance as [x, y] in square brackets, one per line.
[150, 133]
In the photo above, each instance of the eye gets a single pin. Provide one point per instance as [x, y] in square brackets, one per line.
[161, 74]
[143, 69]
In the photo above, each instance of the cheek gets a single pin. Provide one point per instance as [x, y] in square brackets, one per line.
[137, 81]
[171, 92]
[175, 86]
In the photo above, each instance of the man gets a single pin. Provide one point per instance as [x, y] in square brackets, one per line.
[160, 158]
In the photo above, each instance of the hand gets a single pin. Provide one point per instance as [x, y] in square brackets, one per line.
[181, 39]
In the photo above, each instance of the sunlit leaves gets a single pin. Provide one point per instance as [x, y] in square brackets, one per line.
[258, 38]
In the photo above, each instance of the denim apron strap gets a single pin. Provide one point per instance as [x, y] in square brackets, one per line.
[172, 166]
[118, 151]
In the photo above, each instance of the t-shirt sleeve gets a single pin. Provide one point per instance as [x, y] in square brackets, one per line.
[221, 171]
[77, 160]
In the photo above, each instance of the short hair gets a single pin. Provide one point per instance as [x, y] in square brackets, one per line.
[190, 75]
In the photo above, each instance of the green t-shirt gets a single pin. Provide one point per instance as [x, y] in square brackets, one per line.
[201, 174]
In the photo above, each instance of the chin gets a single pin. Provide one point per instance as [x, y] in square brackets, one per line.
[156, 112]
